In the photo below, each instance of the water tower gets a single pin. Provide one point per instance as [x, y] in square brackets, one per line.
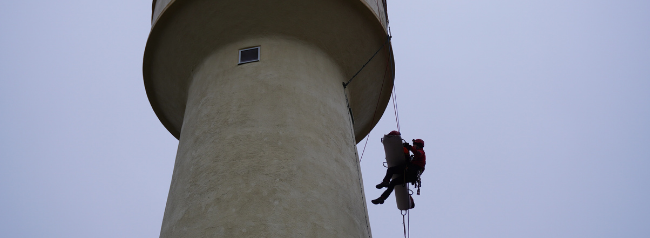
[253, 91]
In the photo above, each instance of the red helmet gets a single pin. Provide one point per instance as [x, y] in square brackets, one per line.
[419, 141]
[394, 133]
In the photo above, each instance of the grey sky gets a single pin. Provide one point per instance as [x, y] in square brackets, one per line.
[535, 114]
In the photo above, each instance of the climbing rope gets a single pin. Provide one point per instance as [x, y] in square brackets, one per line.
[386, 12]
[408, 213]
[374, 114]
[404, 212]
[406, 218]
[390, 56]
[364, 148]
[407, 229]
[356, 154]
[345, 85]
[394, 97]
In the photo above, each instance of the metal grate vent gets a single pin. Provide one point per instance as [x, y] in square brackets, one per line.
[249, 55]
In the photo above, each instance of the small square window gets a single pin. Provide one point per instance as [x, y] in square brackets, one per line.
[249, 55]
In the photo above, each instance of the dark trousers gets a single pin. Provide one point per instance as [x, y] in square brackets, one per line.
[407, 174]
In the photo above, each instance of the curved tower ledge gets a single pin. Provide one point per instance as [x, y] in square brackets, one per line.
[185, 32]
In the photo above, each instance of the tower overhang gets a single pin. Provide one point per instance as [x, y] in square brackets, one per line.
[185, 32]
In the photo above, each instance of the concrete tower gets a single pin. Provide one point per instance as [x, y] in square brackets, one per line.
[267, 148]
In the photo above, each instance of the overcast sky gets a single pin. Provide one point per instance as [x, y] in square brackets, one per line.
[535, 115]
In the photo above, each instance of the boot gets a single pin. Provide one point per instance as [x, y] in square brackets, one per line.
[383, 184]
[379, 200]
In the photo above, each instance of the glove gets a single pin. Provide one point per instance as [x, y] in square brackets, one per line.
[407, 145]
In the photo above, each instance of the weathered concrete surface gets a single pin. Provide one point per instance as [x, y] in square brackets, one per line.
[266, 149]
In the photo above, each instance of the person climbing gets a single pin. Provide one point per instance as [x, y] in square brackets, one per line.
[408, 172]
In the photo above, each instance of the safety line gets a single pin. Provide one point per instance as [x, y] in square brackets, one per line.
[374, 114]
[364, 147]
[394, 96]
[404, 223]
[356, 155]
[386, 12]
[345, 85]
[408, 224]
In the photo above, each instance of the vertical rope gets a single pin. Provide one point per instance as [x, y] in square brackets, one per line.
[364, 147]
[345, 84]
[394, 97]
[386, 12]
[404, 221]
[394, 93]
[406, 224]
[408, 216]
[356, 154]
[381, 89]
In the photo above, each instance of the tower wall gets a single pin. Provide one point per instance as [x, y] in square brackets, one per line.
[266, 149]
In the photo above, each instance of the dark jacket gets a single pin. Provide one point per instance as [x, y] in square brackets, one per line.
[419, 157]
